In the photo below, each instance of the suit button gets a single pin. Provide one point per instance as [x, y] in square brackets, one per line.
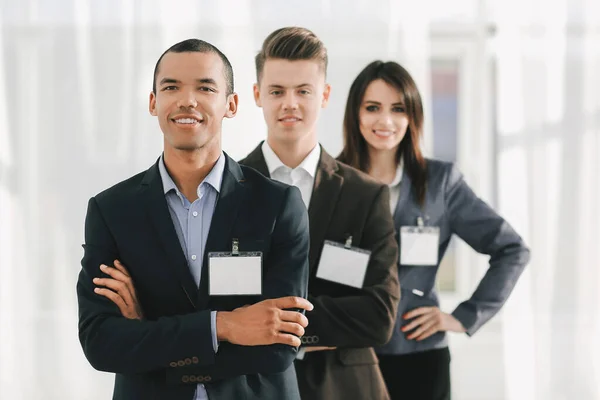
[192, 378]
[195, 360]
[173, 364]
[185, 379]
[207, 378]
[181, 363]
[188, 361]
[303, 340]
[200, 378]
[316, 339]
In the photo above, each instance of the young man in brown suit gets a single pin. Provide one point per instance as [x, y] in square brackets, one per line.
[355, 297]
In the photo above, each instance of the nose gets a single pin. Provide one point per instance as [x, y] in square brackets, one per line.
[386, 120]
[290, 102]
[187, 100]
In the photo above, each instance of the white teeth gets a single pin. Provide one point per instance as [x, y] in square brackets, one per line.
[289, 119]
[383, 133]
[186, 121]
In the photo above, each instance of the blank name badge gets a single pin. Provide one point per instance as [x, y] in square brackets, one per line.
[343, 264]
[419, 245]
[234, 273]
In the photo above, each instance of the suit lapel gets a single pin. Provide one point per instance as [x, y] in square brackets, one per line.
[323, 199]
[256, 160]
[154, 200]
[322, 203]
[231, 196]
[406, 194]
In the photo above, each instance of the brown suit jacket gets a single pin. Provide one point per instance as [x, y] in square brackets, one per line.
[346, 202]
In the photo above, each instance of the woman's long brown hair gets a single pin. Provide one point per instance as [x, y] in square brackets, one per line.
[355, 152]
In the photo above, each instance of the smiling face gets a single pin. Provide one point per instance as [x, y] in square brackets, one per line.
[291, 94]
[382, 116]
[191, 100]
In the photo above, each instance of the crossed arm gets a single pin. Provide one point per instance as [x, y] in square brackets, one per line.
[134, 345]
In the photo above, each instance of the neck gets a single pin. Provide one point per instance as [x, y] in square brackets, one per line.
[292, 153]
[382, 164]
[189, 168]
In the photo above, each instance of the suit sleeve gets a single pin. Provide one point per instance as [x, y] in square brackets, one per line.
[367, 318]
[488, 233]
[113, 343]
[286, 275]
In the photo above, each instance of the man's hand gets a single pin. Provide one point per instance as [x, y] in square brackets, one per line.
[120, 290]
[310, 349]
[264, 323]
[429, 320]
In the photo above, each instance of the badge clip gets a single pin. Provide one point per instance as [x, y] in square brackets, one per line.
[348, 243]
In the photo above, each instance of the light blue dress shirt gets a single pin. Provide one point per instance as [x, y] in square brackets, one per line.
[192, 224]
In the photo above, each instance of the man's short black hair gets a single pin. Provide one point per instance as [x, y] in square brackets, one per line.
[200, 46]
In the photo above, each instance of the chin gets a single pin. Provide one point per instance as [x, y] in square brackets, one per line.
[187, 147]
[288, 135]
[383, 146]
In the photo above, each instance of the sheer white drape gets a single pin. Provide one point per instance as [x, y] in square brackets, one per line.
[549, 183]
[74, 83]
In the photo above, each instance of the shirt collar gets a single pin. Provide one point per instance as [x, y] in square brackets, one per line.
[309, 164]
[214, 177]
[398, 177]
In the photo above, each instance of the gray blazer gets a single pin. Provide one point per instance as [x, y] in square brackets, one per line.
[453, 207]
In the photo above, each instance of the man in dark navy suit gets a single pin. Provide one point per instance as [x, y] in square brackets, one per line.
[194, 340]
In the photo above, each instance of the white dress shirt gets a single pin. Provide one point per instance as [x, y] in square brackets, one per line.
[395, 187]
[303, 176]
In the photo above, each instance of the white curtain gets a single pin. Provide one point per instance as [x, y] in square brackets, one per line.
[548, 108]
[74, 83]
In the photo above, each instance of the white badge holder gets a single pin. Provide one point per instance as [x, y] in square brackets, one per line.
[235, 273]
[419, 245]
[343, 264]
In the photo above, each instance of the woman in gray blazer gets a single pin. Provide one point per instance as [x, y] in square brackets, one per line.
[430, 201]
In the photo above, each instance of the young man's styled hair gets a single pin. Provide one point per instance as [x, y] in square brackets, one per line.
[199, 46]
[291, 43]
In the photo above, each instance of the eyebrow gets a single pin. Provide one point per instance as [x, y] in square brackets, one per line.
[400, 103]
[203, 80]
[282, 87]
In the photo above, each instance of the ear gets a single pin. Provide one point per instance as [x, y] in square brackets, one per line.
[152, 105]
[232, 105]
[326, 92]
[257, 95]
